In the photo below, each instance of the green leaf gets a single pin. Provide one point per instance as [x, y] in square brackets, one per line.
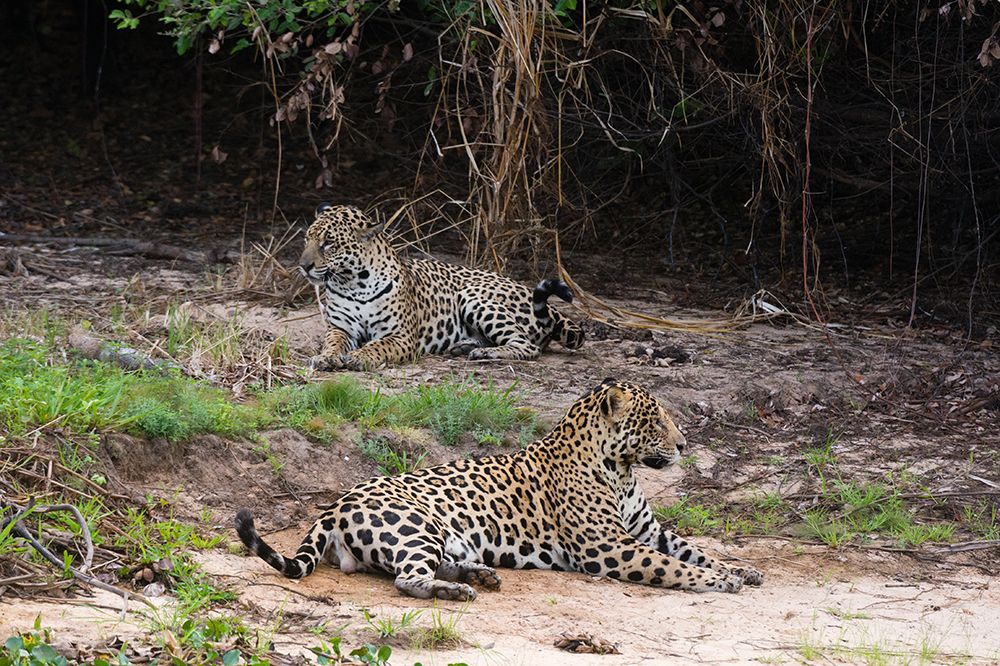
[14, 644]
[231, 658]
[563, 7]
[46, 654]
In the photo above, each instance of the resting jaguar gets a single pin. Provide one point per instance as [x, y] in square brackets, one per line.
[383, 310]
[569, 501]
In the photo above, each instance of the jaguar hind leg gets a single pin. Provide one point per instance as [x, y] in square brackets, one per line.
[464, 347]
[473, 573]
[416, 566]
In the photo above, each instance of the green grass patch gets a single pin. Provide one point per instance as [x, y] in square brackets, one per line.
[852, 512]
[981, 520]
[690, 518]
[84, 396]
[449, 409]
[390, 461]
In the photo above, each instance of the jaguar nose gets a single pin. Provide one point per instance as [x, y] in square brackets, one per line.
[681, 443]
[305, 267]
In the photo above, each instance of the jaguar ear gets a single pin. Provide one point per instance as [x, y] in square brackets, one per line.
[365, 234]
[322, 208]
[613, 403]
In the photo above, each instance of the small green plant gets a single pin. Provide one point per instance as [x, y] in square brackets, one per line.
[846, 615]
[453, 408]
[390, 462]
[820, 458]
[31, 648]
[487, 437]
[330, 653]
[443, 632]
[981, 520]
[212, 640]
[264, 448]
[688, 461]
[385, 627]
[690, 518]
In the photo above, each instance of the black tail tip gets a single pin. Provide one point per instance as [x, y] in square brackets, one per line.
[244, 524]
[546, 288]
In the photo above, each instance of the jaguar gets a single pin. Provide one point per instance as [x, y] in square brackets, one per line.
[569, 501]
[384, 310]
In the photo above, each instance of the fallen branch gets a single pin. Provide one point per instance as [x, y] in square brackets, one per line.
[126, 245]
[985, 402]
[14, 524]
[120, 355]
[969, 545]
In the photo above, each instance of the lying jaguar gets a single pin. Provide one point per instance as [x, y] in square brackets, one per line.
[383, 310]
[569, 501]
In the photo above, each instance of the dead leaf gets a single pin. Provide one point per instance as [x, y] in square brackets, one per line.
[218, 155]
[407, 51]
[585, 644]
[154, 589]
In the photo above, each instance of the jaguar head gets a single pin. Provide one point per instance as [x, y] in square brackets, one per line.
[336, 244]
[639, 428]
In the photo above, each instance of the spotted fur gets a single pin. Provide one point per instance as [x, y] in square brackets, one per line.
[569, 501]
[384, 310]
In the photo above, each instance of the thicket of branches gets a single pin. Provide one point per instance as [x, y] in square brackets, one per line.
[825, 133]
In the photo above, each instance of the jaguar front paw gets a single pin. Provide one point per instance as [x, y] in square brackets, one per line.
[339, 362]
[749, 576]
[323, 363]
[727, 582]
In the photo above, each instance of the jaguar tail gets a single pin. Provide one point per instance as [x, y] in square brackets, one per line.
[302, 564]
[567, 333]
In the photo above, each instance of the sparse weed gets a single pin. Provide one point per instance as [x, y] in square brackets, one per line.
[690, 518]
[981, 520]
[864, 510]
[846, 615]
[390, 462]
[820, 458]
[688, 461]
[443, 632]
[832, 532]
[385, 627]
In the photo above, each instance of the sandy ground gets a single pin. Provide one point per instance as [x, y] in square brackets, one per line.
[750, 403]
[847, 607]
[814, 605]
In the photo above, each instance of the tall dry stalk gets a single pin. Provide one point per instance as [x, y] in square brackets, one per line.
[503, 103]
